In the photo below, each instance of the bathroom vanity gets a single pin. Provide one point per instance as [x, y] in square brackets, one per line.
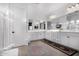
[67, 33]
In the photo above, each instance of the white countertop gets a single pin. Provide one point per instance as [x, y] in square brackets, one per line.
[53, 31]
[36, 30]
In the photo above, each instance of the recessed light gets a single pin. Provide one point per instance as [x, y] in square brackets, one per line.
[52, 16]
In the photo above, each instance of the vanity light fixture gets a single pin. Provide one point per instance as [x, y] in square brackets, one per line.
[77, 5]
[41, 21]
[73, 7]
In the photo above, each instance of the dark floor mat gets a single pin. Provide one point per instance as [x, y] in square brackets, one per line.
[64, 49]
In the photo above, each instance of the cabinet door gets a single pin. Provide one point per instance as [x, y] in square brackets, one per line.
[42, 35]
[33, 36]
[54, 36]
[38, 35]
[74, 40]
[48, 35]
[70, 40]
[65, 38]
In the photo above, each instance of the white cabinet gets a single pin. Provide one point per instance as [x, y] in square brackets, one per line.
[33, 35]
[41, 35]
[70, 39]
[65, 38]
[48, 35]
[74, 40]
[54, 36]
[37, 35]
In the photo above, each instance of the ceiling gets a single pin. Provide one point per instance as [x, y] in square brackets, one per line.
[34, 11]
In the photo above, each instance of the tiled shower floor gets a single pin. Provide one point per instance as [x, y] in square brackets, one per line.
[36, 48]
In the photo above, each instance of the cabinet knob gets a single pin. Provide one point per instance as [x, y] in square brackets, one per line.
[13, 32]
[68, 36]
